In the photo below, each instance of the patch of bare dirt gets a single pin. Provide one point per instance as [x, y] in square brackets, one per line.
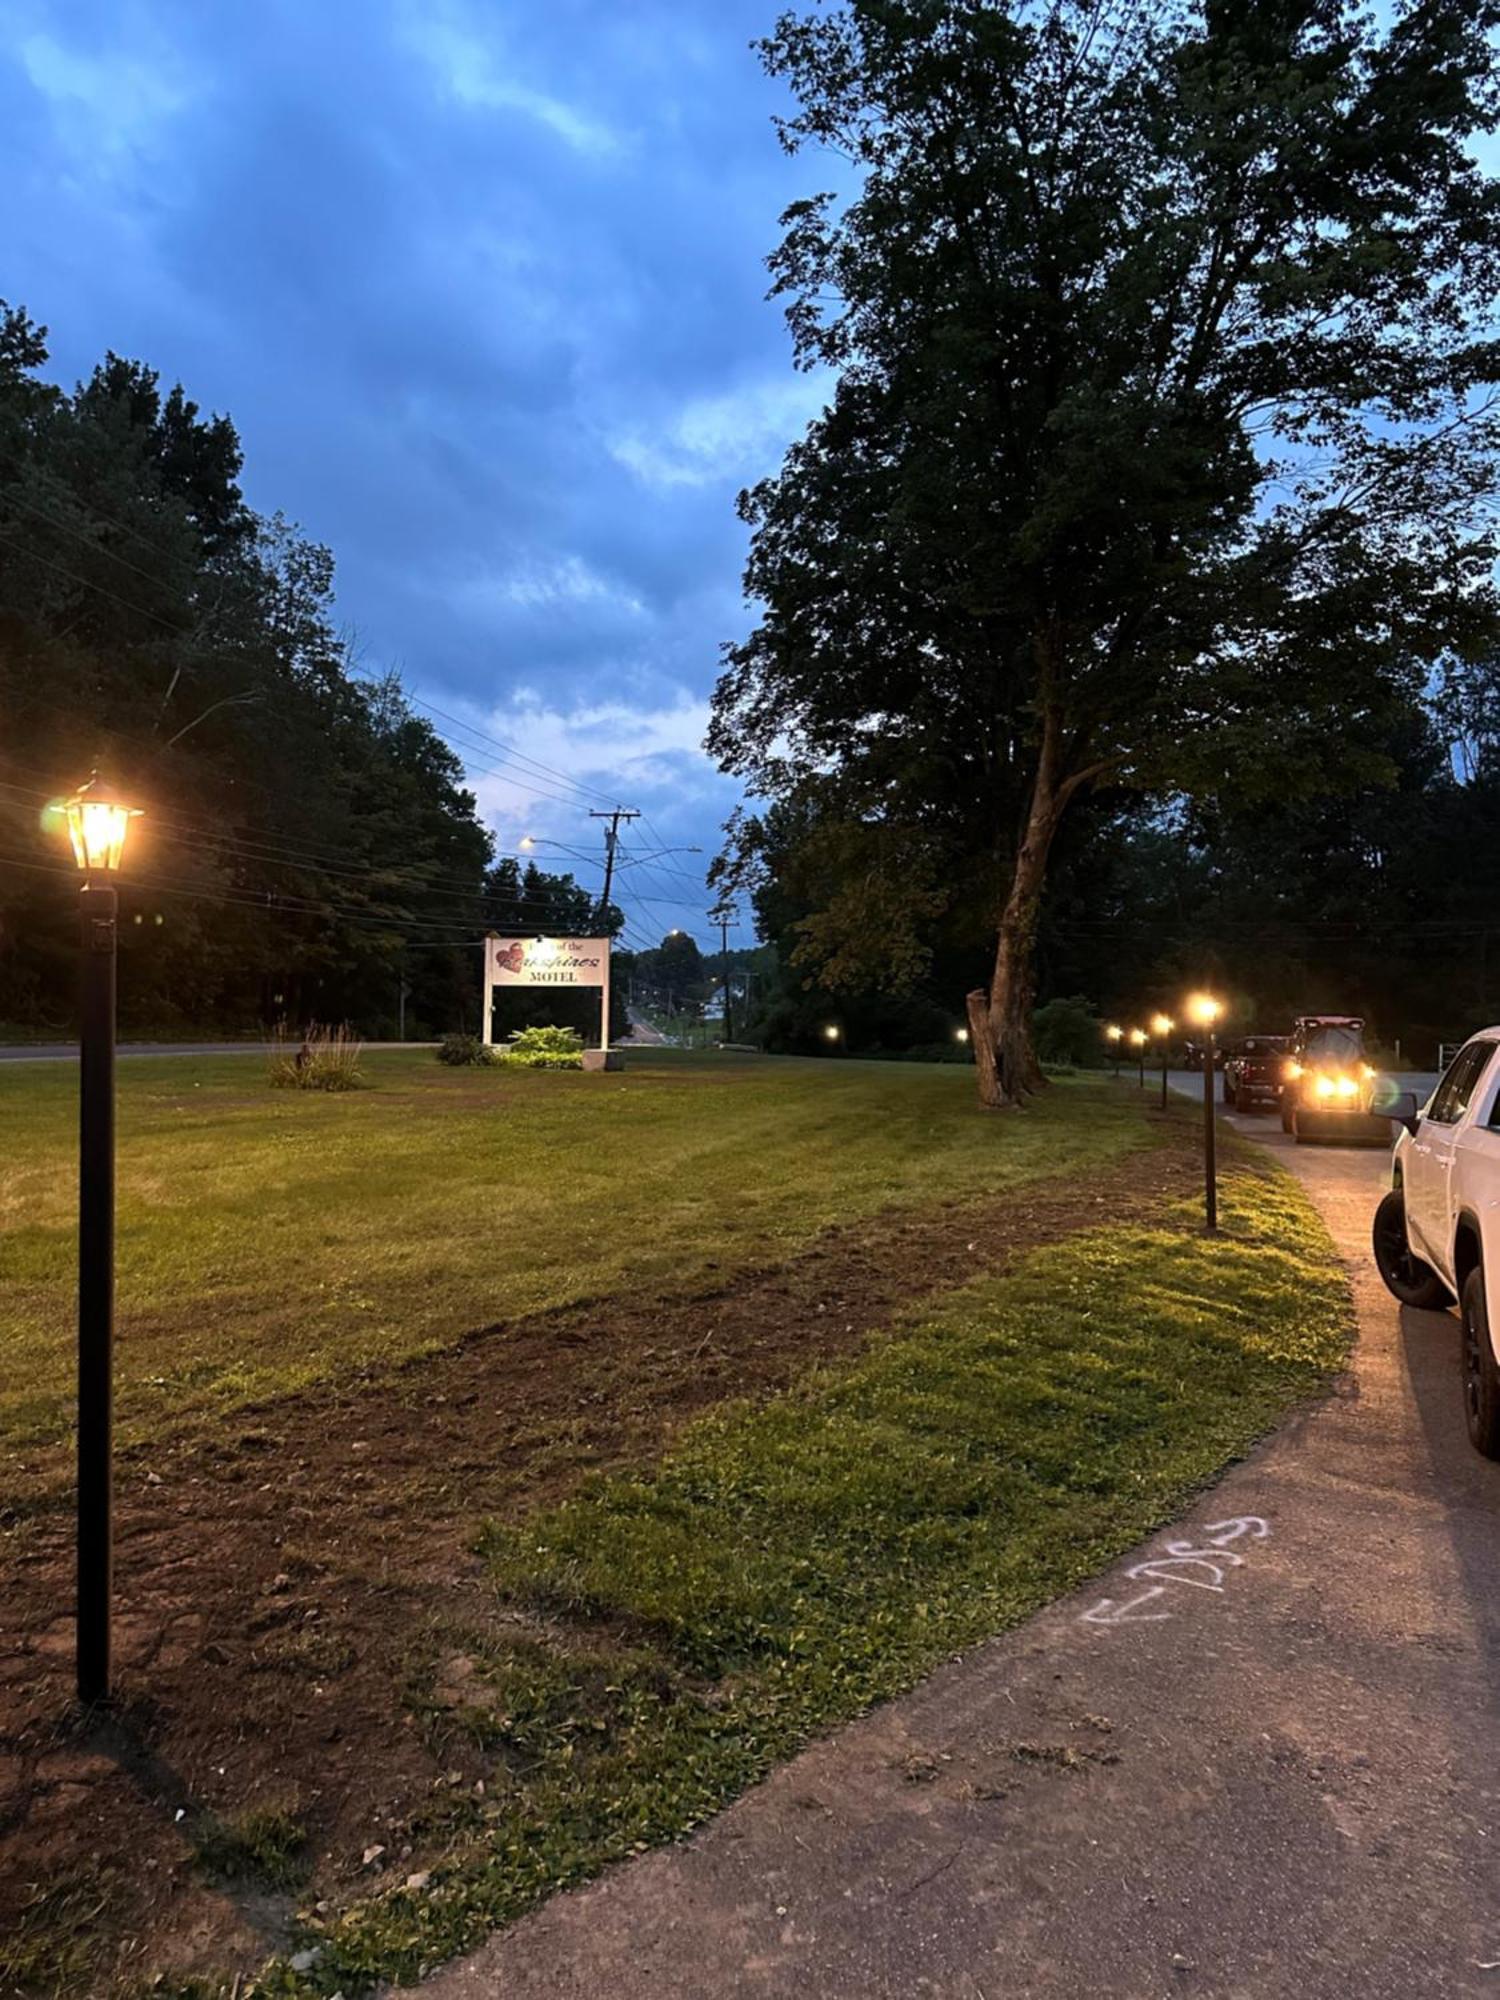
[279, 1584]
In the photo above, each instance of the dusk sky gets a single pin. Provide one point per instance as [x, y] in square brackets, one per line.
[482, 288]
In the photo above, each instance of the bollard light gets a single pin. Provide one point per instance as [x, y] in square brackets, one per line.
[1203, 1010]
[1162, 1026]
[98, 823]
[1138, 1040]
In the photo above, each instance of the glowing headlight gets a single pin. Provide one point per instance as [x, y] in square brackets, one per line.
[1292, 1071]
[1323, 1086]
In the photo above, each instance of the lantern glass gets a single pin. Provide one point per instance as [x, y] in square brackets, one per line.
[1204, 1009]
[97, 826]
[1161, 1025]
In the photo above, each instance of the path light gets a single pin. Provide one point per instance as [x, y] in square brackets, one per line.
[1203, 1010]
[1162, 1026]
[1138, 1040]
[98, 824]
[1114, 1036]
[831, 1034]
[960, 1034]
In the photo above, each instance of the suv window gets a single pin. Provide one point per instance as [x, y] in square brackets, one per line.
[1451, 1099]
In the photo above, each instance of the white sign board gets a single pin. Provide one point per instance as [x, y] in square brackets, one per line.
[548, 961]
[535, 961]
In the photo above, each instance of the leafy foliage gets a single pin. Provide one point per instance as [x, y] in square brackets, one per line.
[465, 1051]
[1164, 348]
[545, 1048]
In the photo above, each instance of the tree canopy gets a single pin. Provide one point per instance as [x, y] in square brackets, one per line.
[1160, 452]
[309, 847]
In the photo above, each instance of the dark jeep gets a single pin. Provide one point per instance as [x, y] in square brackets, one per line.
[1252, 1072]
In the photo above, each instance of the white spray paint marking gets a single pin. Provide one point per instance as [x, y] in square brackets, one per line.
[1200, 1566]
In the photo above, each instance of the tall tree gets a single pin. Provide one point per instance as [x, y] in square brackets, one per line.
[1164, 341]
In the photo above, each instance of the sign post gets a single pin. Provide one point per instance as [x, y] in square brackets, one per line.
[544, 961]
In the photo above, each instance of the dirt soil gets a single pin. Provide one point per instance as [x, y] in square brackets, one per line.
[283, 1586]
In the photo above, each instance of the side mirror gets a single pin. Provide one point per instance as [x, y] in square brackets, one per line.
[1401, 1109]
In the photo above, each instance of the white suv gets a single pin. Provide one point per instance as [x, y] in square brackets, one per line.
[1438, 1230]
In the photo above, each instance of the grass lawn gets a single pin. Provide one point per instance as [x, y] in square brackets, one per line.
[560, 1593]
[270, 1239]
[789, 1563]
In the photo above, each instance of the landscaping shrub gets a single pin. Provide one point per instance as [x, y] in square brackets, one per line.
[1068, 1033]
[546, 1048]
[461, 1050]
[322, 1058]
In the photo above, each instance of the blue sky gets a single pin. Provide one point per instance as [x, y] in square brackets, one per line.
[482, 288]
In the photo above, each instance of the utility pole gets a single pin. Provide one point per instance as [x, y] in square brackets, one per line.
[724, 918]
[611, 839]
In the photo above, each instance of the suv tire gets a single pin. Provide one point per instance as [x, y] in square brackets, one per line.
[1481, 1376]
[1404, 1274]
[1243, 1101]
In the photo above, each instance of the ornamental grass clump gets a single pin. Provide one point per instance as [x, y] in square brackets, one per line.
[320, 1058]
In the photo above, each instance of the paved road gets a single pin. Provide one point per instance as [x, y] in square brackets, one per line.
[68, 1051]
[1282, 1789]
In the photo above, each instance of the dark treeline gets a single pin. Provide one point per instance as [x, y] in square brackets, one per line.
[308, 849]
[1383, 900]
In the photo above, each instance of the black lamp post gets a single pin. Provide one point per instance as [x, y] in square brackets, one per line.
[1204, 1011]
[1162, 1026]
[97, 826]
[1138, 1043]
[1114, 1036]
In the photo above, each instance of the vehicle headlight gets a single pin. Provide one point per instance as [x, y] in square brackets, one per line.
[1292, 1071]
[1323, 1086]
[1345, 1086]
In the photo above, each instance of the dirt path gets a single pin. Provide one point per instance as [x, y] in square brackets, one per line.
[289, 1588]
[1271, 1772]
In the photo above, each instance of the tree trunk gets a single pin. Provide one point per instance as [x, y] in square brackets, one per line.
[1000, 1021]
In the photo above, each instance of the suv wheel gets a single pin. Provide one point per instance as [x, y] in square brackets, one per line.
[1481, 1376]
[1406, 1277]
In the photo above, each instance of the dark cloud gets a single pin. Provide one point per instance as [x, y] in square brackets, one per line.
[481, 286]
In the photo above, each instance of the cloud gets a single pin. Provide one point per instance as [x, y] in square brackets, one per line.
[736, 436]
[483, 291]
[477, 72]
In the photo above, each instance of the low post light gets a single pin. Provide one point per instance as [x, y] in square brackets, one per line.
[1162, 1026]
[1114, 1035]
[1138, 1043]
[1203, 1010]
[97, 823]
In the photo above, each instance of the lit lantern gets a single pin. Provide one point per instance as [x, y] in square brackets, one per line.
[97, 826]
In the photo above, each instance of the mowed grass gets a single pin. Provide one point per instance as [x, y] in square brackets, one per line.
[788, 1563]
[269, 1240]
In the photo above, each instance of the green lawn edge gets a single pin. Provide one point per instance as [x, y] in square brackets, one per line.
[790, 1564]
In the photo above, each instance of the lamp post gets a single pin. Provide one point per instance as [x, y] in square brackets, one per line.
[1203, 1011]
[1114, 1036]
[97, 826]
[833, 1036]
[1138, 1039]
[1162, 1026]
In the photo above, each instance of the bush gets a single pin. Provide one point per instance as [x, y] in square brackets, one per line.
[321, 1058]
[1068, 1032]
[463, 1050]
[545, 1048]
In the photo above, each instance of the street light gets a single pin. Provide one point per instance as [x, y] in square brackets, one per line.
[831, 1033]
[1138, 1040]
[1162, 1026]
[1203, 1011]
[97, 826]
[1114, 1036]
